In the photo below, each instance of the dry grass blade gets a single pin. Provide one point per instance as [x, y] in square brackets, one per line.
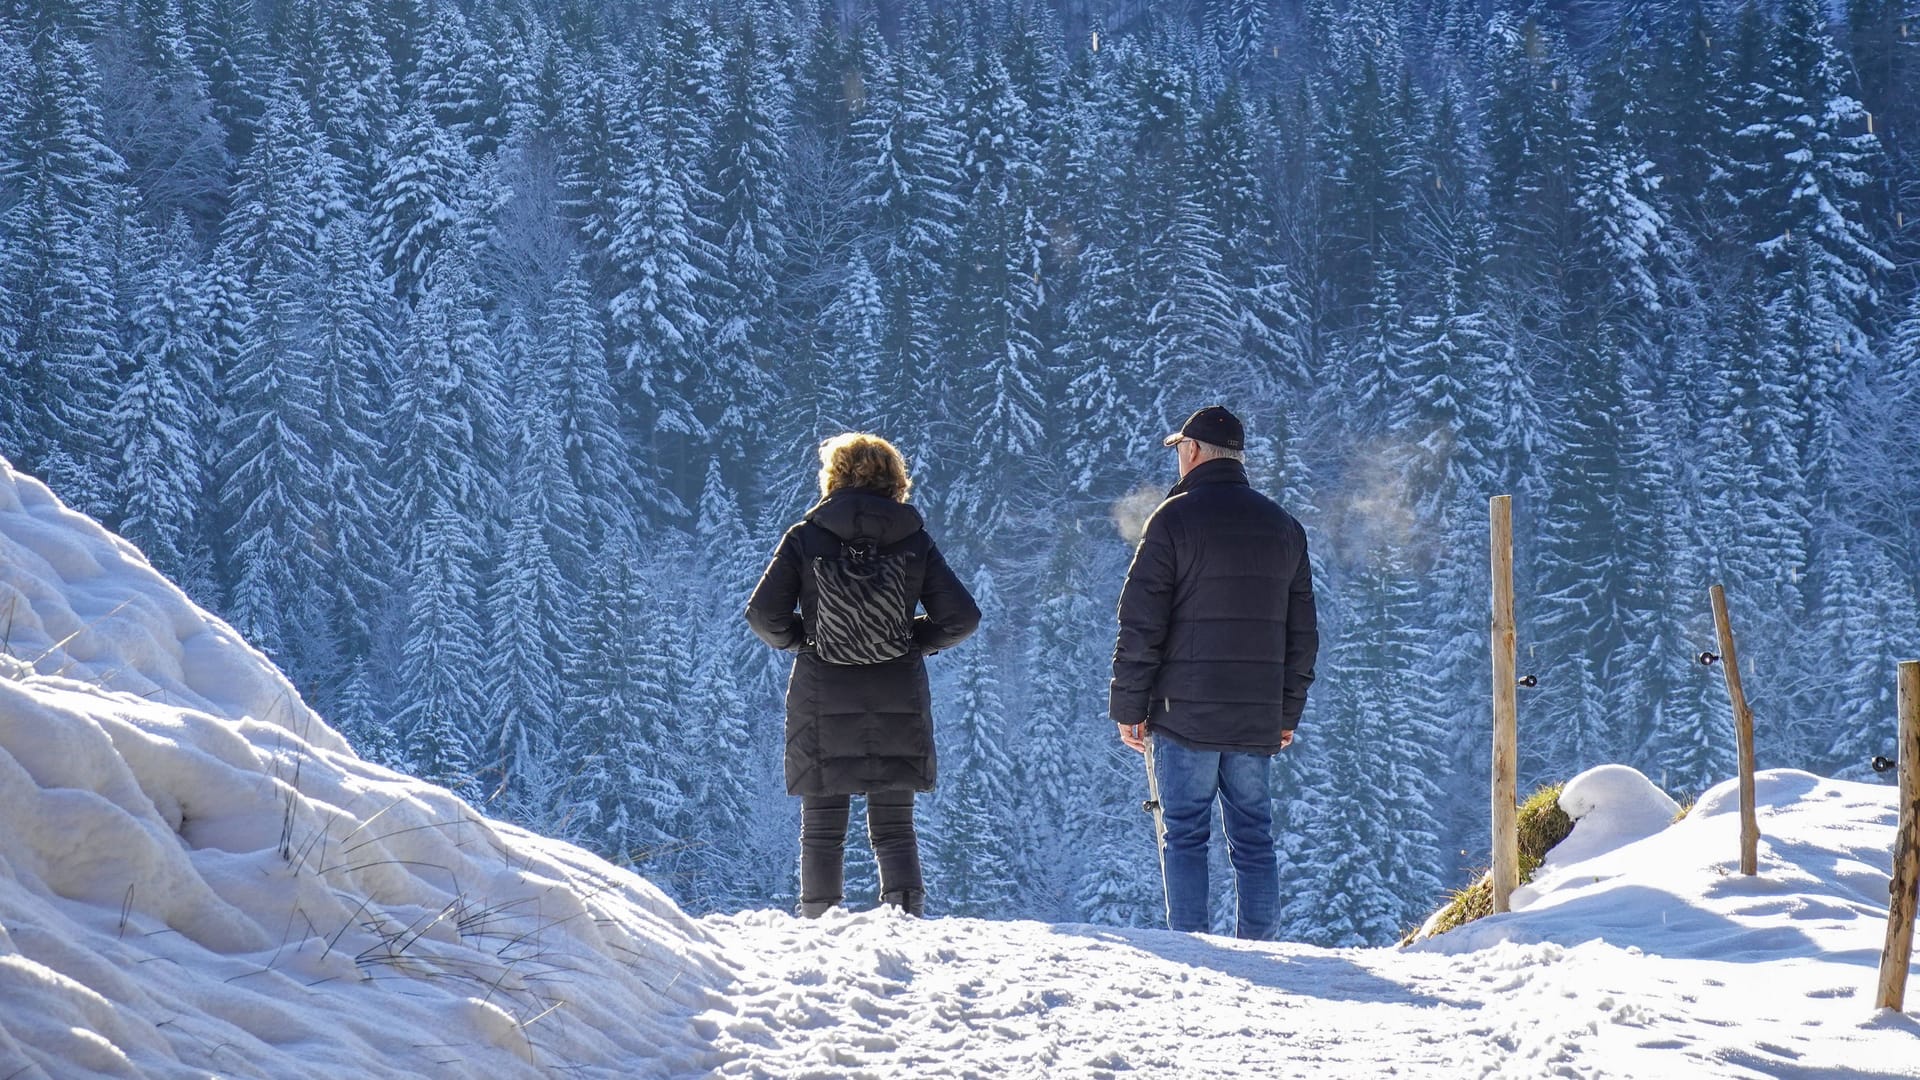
[394, 833]
[62, 643]
[374, 818]
[338, 934]
[541, 1015]
[357, 867]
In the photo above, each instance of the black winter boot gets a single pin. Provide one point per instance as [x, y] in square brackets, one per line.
[911, 901]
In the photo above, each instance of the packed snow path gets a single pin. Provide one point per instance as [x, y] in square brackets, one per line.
[199, 878]
[875, 995]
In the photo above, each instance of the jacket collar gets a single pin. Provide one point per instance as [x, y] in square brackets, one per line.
[858, 514]
[1217, 471]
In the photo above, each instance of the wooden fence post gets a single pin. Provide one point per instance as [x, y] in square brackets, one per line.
[1742, 734]
[1906, 848]
[1506, 795]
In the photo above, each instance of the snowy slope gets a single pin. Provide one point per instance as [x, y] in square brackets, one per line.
[198, 878]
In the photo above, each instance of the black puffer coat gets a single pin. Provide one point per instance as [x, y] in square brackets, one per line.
[1217, 626]
[859, 727]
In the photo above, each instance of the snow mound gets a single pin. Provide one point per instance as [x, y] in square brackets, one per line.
[1610, 806]
[199, 877]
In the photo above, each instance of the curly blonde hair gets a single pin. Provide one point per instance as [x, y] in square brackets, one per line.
[859, 460]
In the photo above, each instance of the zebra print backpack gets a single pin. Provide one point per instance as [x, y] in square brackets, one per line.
[861, 605]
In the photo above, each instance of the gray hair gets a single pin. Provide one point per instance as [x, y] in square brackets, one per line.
[1208, 451]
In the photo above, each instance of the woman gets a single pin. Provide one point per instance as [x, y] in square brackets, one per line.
[841, 595]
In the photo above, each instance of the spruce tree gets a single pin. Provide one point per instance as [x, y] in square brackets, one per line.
[1105, 363]
[61, 328]
[748, 162]
[623, 739]
[1050, 803]
[665, 699]
[910, 152]
[353, 356]
[160, 419]
[1532, 143]
[857, 399]
[438, 713]
[1117, 887]
[993, 322]
[574, 354]
[353, 94]
[444, 419]
[1367, 169]
[597, 155]
[230, 50]
[1805, 159]
[420, 200]
[273, 471]
[974, 854]
[531, 607]
[974, 871]
[1336, 891]
[719, 742]
[284, 192]
[458, 83]
[658, 318]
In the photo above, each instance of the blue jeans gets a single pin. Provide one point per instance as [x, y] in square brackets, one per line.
[1188, 782]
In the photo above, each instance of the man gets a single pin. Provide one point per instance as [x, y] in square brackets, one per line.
[1210, 674]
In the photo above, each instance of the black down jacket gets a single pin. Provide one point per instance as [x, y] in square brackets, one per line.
[858, 728]
[1217, 627]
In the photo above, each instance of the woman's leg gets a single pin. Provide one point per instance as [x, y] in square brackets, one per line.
[897, 849]
[823, 842]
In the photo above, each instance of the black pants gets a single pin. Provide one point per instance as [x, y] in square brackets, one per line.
[823, 843]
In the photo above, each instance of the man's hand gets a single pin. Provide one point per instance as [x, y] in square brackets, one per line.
[1134, 735]
[1286, 738]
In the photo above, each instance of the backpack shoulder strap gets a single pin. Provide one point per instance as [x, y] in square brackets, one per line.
[816, 541]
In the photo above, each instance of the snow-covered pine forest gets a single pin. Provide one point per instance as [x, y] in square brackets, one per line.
[469, 358]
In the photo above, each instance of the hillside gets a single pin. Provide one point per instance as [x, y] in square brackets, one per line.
[198, 876]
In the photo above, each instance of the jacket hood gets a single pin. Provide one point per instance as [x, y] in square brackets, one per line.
[858, 514]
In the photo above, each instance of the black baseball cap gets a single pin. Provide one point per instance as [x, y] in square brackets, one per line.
[1213, 424]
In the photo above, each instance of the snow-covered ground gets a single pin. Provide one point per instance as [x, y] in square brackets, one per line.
[1651, 957]
[199, 878]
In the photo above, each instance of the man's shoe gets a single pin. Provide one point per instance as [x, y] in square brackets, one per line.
[911, 901]
[813, 909]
